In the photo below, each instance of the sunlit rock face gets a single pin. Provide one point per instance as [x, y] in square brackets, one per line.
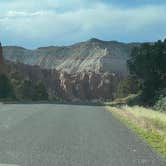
[93, 55]
[71, 87]
[83, 71]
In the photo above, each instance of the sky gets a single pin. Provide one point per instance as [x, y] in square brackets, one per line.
[36, 23]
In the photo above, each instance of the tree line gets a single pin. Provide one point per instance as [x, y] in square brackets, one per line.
[147, 73]
[12, 88]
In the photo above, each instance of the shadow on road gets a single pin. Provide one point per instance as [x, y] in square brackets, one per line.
[55, 102]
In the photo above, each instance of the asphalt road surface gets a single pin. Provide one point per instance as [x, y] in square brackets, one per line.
[66, 135]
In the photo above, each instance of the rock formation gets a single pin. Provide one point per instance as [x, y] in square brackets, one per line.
[71, 87]
[93, 55]
[83, 71]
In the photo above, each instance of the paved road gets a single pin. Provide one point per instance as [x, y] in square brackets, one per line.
[65, 135]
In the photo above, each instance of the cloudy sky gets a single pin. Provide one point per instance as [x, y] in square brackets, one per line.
[34, 23]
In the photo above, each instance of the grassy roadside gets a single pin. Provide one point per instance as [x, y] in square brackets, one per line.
[148, 124]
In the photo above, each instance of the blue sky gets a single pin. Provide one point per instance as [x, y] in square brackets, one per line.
[34, 23]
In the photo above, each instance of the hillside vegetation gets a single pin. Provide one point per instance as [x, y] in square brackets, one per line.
[147, 76]
[147, 65]
[147, 82]
[12, 88]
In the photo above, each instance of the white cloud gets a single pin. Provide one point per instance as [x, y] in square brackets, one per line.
[54, 18]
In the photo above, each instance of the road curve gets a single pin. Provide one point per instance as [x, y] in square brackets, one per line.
[68, 135]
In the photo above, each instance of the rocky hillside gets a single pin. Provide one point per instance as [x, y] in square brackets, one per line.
[83, 71]
[70, 87]
[93, 55]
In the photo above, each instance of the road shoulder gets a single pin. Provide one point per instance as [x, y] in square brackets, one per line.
[152, 136]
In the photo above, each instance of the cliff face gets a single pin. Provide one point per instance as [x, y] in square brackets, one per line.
[84, 71]
[71, 87]
[93, 55]
[87, 86]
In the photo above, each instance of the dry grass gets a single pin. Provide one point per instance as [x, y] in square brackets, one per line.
[147, 118]
[147, 123]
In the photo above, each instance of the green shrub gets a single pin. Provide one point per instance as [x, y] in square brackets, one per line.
[161, 105]
[6, 89]
[127, 86]
[40, 91]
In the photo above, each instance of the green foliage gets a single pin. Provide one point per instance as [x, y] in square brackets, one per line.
[28, 90]
[128, 86]
[147, 64]
[132, 99]
[41, 92]
[161, 105]
[6, 90]
[25, 89]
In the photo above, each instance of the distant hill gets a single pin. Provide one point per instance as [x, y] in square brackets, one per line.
[93, 55]
[83, 71]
